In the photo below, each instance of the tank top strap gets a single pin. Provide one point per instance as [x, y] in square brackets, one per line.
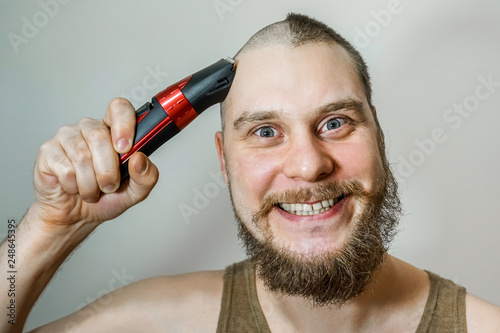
[240, 308]
[445, 308]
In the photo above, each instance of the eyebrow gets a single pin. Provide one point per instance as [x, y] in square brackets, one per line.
[344, 104]
[249, 117]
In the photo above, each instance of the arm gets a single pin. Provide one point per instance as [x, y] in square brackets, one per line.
[183, 303]
[482, 316]
[39, 253]
[77, 187]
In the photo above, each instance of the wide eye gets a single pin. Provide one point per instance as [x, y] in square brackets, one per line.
[333, 124]
[266, 132]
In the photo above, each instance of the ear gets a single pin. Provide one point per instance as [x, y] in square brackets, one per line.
[219, 144]
[374, 111]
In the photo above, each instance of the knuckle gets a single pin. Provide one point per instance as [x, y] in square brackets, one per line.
[98, 135]
[45, 147]
[72, 142]
[77, 150]
[67, 172]
[87, 122]
[64, 130]
[63, 166]
[82, 155]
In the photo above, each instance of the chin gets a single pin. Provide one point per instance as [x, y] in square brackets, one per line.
[312, 248]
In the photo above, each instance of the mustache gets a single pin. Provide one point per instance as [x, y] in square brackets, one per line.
[324, 191]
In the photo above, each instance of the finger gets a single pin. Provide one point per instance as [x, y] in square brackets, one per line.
[54, 168]
[143, 177]
[120, 117]
[80, 156]
[105, 161]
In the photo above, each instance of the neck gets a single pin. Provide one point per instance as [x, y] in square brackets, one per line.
[394, 289]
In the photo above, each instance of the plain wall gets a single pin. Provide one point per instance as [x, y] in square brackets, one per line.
[427, 60]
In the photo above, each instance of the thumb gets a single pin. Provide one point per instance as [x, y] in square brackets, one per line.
[143, 177]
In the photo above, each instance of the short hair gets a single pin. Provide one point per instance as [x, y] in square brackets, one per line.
[299, 29]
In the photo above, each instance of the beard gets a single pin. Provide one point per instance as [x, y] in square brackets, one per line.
[335, 277]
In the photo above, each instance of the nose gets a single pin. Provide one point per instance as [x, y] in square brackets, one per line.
[308, 159]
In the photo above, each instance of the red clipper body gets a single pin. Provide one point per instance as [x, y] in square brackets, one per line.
[176, 106]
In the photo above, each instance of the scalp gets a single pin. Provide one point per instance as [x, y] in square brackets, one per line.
[297, 30]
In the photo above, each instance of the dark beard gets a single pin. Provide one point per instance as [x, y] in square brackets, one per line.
[330, 278]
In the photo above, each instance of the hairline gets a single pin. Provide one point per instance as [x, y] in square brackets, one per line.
[292, 45]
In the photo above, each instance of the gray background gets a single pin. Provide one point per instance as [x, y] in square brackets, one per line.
[427, 57]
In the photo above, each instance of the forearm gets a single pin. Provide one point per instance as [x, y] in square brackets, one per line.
[77, 186]
[36, 252]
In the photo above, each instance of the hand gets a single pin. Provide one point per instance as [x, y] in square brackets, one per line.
[77, 177]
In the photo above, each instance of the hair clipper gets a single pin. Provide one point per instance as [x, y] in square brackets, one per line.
[176, 106]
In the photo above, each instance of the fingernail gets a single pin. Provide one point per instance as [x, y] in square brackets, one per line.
[141, 166]
[122, 145]
[91, 199]
[109, 188]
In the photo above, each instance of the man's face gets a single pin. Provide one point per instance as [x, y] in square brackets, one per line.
[300, 137]
[296, 118]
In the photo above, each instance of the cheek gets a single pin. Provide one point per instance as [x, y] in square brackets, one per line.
[360, 161]
[255, 172]
[251, 173]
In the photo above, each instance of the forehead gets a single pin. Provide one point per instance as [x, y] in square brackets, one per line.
[292, 79]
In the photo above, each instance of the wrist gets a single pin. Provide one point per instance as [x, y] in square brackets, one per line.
[40, 249]
[59, 237]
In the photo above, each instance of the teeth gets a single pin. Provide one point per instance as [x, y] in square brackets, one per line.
[308, 209]
[317, 206]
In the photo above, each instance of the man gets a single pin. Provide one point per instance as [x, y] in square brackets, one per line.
[303, 156]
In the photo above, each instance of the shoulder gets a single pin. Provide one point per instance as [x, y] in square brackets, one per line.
[184, 287]
[482, 316]
[191, 291]
[181, 303]
[187, 302]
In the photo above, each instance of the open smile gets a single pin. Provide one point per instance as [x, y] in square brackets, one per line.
[310, 208]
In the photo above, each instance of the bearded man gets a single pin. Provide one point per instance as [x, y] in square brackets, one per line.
[303, 156]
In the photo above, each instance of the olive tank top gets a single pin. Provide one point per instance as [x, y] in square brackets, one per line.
[241, 312]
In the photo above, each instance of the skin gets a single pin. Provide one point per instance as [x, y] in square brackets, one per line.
[72, 199]
[302, 152]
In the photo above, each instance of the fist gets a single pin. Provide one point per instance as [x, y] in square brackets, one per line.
[77, 177]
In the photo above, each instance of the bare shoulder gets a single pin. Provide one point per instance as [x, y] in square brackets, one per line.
[181, 303]
[482, 316]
